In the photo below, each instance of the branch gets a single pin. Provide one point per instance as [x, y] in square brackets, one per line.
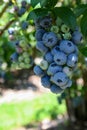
[6, 27]
[3, 10]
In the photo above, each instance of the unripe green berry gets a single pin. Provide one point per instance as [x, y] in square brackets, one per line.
[25, 55]
[67, 36]
[23, 43]
[44, 64]
[59, 36]
[13, 65]
[22, 65]
[27, 66]
[20, 58]
[54, 29]
[26, 60]
[64, 28]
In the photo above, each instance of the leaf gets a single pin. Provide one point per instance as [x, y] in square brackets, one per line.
[83, 24]
[44, 3]
[48, 3]
[35, 2]
[66, 15]
[34, 14]
[79, 10]
[83, 50]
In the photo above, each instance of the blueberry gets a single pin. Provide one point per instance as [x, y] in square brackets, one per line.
[56, 89]
[37, 23]
[17, 43]
[39, 34]
[76, 37]
[49, 57]
[24, 25]
[53, 68]
[68, 84]
[24, 3]
[46, 22]
[60, 58]
[50, 39]
[38, 71]
[45, 80]
[41, 47]
[60, 79]
[21, 11]
[11, 31]
[72, 60]
[55, 50]
[67, 46]
[14, 57]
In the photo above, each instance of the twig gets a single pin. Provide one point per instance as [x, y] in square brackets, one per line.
[6, 27]
[3, 10]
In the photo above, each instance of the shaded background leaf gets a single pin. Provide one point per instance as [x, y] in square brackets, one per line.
[66, 15]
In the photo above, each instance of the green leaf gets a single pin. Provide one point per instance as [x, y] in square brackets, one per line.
[66, 15]
[34, 14]
[79, 10]
[35, 2]
[83, 24]
[48, 3]
[83, 50]
[44, 3]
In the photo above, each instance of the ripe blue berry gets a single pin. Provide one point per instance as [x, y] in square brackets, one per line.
[21, 11]
[49, 57]
[55, 89]
[11, 31]
[55, 50]
[72, 60]
[50, 39]
[39, 34]
[14, 57]
[53, 68]
[60, 58]
[60, 79]
[24, 3]
[46, 22]
[38, 71]
[67, 46]
[45, 80]
[68, 84]
[24, 25]
[41, 47]
[76, 37]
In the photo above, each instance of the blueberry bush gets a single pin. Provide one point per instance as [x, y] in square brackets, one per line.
[56, 31]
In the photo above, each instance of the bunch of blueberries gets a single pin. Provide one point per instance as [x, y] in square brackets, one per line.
[21, 10]
[58, 44]
[21, 58]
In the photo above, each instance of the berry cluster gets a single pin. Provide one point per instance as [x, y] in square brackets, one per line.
[58, 44]
[22, 9]
[22, 57]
